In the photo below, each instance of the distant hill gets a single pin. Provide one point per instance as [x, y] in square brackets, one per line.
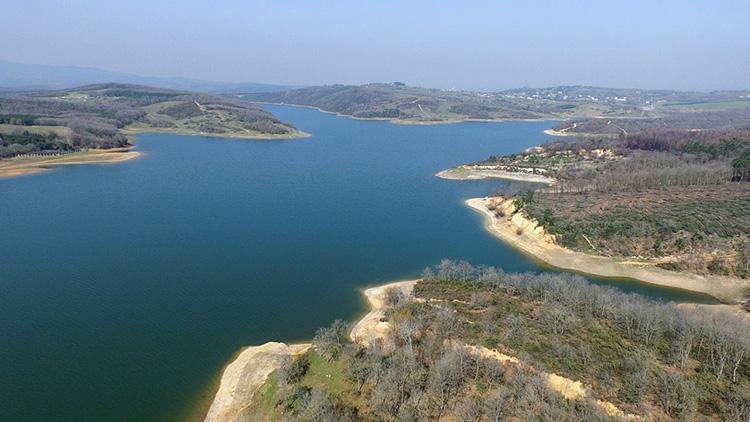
[396, 101]
[37, 76]
[99, 116]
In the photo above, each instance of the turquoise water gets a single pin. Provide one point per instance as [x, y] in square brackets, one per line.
[124, 289]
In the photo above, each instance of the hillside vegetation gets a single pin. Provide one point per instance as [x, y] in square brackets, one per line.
[99, 116]
[678, 199]
[398, 102]
[737, 114]
[476, 344]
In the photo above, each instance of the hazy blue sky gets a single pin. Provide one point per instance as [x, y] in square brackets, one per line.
[468, 44]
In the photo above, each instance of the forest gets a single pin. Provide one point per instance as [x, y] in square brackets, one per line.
[476, 343]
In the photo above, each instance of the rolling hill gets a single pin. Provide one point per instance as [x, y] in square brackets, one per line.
[100, 116]
[407, 104]
[21, 76]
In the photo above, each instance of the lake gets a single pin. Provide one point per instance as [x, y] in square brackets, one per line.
[125, 289]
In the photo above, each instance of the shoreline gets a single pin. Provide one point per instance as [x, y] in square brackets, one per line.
[527, 236]
[138, 131]
[464, 172]
[370, 327]
[28, 166]
[252, 365]
[242, 378]
[247, 373]
[17, 167]
[552, 132]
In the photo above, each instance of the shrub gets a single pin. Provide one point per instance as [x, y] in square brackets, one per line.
[296, 369]
[676, 395]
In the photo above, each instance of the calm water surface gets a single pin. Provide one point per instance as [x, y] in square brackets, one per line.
[124, 289]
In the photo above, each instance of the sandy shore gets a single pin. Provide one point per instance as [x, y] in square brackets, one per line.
[553, 132]
[468, 173]
[24, 166]
[371, 326]
[243, 377]
[527, 236]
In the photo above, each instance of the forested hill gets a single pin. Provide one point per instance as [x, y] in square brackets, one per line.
[99, 116]
[478, 344]
[400, 102]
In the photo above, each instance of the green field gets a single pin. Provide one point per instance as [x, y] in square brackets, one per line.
[708, 106]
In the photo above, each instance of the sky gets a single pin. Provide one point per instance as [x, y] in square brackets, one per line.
[477, 45]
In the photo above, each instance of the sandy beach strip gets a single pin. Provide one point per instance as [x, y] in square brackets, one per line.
[524, 234]
[24, 166]
[468, 173]
[244, 376]
[553, 132]
[371, 326]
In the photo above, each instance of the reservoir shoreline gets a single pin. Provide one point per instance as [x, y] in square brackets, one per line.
[526, 236]
[26, 166]
[15, 167]
[467, 173]
[250, 368]
[205, 268]
[231, 135]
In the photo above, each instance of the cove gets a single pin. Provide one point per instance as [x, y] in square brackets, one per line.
[124, 289]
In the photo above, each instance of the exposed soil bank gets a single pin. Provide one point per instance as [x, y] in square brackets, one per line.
[469, 173]
[526, 235]
[246, 374]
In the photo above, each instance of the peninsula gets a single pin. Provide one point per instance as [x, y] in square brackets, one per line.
[475, 343]
[664, 206]
[91, 124]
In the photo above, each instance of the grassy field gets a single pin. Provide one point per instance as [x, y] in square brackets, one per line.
[321, 374]
[706, 106]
